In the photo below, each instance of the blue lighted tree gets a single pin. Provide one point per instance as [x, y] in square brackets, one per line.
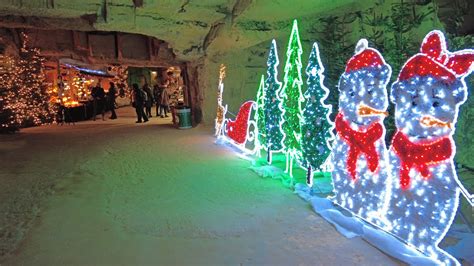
[273, 114]
[316, 127]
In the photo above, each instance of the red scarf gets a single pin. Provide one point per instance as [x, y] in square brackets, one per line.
[359, 143]
[419, 156]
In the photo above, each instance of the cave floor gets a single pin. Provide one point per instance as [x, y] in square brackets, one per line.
[117, 193]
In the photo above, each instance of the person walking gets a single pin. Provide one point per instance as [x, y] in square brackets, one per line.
[98, 95]
[157, 98]
[138, 102]
[164, 102]
[111, 94]
[148, 100]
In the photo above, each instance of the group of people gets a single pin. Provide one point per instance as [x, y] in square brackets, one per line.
[143, 99]
[103, 101]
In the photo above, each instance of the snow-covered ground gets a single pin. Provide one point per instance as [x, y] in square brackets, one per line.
[118, 193]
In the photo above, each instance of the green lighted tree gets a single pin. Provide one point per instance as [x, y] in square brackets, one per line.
[292, 97]
[316, 126]
[260, 116]
[271, 103]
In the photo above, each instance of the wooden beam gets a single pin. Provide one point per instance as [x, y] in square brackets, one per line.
[118, 46]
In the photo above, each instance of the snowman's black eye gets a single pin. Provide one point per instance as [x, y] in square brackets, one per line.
[413, 103]
[351, 93]
[436, 104]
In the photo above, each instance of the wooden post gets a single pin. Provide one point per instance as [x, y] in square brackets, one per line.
[118, 46]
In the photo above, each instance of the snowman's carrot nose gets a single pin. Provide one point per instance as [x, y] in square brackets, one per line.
[365, 110]
[429, 121]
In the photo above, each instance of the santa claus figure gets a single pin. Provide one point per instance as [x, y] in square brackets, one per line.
[359, 154]
[425, 189]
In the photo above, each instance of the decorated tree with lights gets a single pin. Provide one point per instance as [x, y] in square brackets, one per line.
[259, 116]
[273, 113]
[8, 123]
[292, 97]
[32, 99]
[316, 127]
[24, 97]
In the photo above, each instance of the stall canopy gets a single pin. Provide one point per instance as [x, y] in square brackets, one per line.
[85, 68]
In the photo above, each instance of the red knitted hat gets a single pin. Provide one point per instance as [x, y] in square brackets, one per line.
[364, 57]
[435, 60]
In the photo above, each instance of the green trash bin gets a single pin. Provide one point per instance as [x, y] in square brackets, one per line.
[184, 117]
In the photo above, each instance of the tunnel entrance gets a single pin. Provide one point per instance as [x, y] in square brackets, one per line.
[77, 61]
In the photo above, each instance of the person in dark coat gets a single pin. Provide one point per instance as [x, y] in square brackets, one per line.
[138, 103]
[149, 99]
[111, 94]
[157, 97]
[98, 95]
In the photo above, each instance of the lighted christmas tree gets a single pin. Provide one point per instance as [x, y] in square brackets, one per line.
[7, 96]
[292, 97]
[31, 91]
[259, 116]
[316, 127]
[273, 113]
[24, 97]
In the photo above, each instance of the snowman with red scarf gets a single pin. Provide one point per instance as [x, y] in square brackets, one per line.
[425, 188]
[359, 153]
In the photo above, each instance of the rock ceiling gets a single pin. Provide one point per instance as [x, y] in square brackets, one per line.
[193, 28]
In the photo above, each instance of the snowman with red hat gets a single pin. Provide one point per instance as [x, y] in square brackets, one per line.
[425, 188]
[359, 154]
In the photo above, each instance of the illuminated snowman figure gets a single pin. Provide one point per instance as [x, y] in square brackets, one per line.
[359, 154]
[425, 189]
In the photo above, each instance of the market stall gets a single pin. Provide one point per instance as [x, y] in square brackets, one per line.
[70, 84]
